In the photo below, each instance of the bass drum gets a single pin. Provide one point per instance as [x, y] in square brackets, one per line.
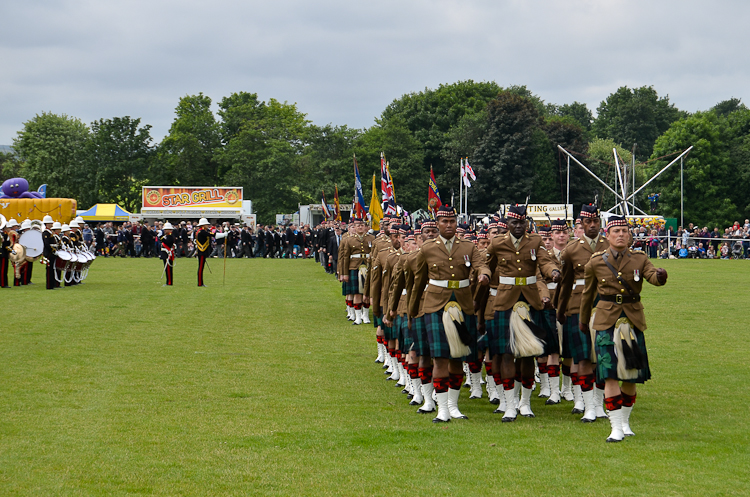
[32, 240]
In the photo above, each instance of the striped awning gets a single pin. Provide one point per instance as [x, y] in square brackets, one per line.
[106, 212]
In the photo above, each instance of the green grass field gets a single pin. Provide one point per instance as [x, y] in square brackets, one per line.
[261, 387]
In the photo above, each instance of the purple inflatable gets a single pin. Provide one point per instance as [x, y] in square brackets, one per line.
[17, 188]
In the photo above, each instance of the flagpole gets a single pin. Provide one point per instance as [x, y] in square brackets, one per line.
[461, 187]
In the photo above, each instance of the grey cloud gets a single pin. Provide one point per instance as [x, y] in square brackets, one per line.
[343, 62]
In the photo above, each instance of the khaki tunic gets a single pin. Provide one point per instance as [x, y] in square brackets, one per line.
[599, 279]
[574, 258]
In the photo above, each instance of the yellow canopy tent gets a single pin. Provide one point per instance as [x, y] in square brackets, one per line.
[106, 212]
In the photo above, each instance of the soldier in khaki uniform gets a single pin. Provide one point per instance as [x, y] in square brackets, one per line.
[442, 275]
[396, 309]
[354, 253]
[382, 240]
[617, 276]
[516, 257]
[378, 261]
[574, 259]
[381, 292]
[405, 282]
[339, 270]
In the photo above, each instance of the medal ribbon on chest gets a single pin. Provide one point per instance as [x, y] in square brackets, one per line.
[637, 275]
[533, 254]
[467, 261]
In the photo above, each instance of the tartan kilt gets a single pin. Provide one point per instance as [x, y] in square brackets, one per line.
[419, 337]
[483, 341]
[549, 324]
[351, 287]
[498, 330]
[579, 343]
[401, 322]
[606, 357]
[435, 331]
[377, 321]
[390, 332]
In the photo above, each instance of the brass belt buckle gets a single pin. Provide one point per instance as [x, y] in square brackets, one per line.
[521, 281]
[453, 284]
[618, 299]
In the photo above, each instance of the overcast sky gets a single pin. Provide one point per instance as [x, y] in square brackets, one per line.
[343, 62]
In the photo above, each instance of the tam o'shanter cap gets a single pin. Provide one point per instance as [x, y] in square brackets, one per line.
[589, 210]
[445, 211]
[517, 211]
[559, 225]
[616, 221]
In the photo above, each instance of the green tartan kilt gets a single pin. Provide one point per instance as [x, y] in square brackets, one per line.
[549, 324]
[498, 330]
[389, 332]
[439, 347]
[351, 287]
[419, 337]
[606, 357]
[401, 323]
[377, 320]
[483, 341]
[579, 343]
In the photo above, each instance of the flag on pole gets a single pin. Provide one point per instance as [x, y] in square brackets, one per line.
[376, 212]
[433, 197]
[336, 204]
[326, 212]
[469, 170]
[359, 199]
[464, 177]
[386, 187]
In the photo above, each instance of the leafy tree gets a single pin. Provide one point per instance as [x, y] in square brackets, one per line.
[726, 107]
[579, 112]
[708, 175]
[263, 152]
[505, 156]
[638, 115]
[568, 133]
[52, 148]
[119, 156]
[10, 166]
[327, 159]
[429, 115]
[186, 155]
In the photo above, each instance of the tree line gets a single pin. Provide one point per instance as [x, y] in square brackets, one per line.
[510, 135]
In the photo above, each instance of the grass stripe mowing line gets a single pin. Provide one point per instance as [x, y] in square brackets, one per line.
[262, 387]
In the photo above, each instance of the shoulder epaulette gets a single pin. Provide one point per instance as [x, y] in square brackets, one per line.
[598, 253]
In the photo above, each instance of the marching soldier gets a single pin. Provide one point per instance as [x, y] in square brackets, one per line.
[167, 252]
[513, 330]
[203, 247]
[443, 267]
[52, 243]
[354, 253]
[617, 276]
[574, 259]
[382, 240]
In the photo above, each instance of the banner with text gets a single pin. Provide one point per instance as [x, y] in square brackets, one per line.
[192, 197]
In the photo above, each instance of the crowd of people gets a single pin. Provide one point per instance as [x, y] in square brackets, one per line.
[555, 310]
[694, 242]
[141, 239]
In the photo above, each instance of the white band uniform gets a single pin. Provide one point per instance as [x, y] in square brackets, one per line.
[450, 283]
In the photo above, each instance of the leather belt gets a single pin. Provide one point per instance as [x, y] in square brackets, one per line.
[358, 256]
[620, 299]
[551, 286]
[519, 281]
[450, 283]
[579, 282]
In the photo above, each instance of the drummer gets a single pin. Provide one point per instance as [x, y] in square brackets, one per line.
[5, 250]
[52, 242]
[27, 268]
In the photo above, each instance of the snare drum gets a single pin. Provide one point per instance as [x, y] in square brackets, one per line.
[62, 260]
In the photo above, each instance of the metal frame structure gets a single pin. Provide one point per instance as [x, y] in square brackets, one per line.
[624, 200]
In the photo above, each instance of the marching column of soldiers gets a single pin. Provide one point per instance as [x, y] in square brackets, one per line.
[547, 310]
